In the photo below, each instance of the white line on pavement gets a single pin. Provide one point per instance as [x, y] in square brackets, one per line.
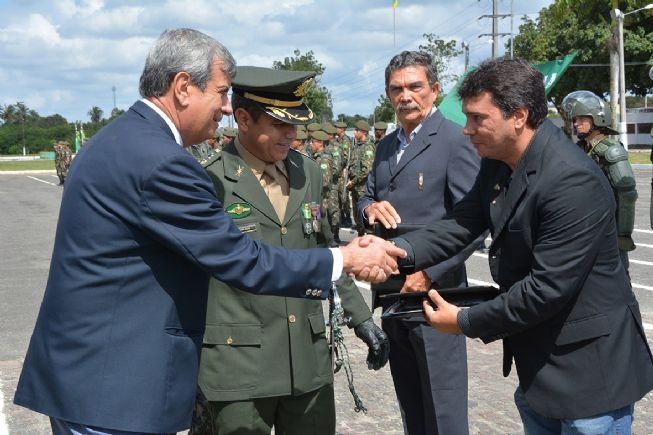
[643, 245]
[642, 262]
[42, 181]
[643, 231]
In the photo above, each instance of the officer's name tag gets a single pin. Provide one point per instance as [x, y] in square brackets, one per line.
[247, 228]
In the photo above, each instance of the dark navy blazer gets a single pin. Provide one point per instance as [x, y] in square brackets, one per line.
[119, 333]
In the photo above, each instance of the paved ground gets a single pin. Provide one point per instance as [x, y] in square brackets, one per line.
[29, 209]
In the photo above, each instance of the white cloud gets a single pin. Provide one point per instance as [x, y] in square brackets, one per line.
[64, 56]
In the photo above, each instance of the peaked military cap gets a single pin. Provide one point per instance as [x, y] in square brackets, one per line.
[279, 93]
[301, 127]
[362, 125]
[313, 126]
[301, 135]
[380, 125]
[320, 135]
[340, 124]
[229, 132]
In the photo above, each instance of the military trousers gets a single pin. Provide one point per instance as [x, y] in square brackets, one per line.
[313, 413]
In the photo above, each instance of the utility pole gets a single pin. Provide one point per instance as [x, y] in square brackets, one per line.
[495, 27]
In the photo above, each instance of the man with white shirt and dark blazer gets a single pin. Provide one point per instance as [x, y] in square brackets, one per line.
[117, 341]
[420, 171]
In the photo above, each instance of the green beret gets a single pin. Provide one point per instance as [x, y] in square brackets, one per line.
[320, 135]
[328, 128]
[301, 135]
[380, 125]
[340, 124]
[362, 125]
[314, 126]
[279, 93]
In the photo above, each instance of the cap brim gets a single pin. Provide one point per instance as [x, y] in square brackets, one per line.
[291, 115]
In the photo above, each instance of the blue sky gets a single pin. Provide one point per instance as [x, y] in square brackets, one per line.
[65, 56]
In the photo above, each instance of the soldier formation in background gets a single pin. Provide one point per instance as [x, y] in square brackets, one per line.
[592, 118]
[62, 158]
[345, 165]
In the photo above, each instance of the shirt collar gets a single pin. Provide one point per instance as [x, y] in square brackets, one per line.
[257, 165]
[401, 135]
[168, 121]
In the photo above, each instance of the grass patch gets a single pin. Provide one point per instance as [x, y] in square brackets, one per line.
[643, 156]
[26, 165]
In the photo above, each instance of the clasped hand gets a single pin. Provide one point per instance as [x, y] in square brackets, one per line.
[370, 258]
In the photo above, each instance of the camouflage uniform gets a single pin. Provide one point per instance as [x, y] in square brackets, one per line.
[343, 194]
[334, 211]
[202, 151]
[359, 168]
[62, 159]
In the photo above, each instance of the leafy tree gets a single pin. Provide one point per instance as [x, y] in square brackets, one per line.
[585, 26]
[318, 98]
[95, 114]
[384, 111]
[442, 53]
[115, 112]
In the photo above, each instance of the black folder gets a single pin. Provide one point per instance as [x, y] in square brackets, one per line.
[409, 305]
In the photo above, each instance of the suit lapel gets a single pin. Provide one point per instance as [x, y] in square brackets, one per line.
[298, 185]
[246, 185]
[421, 141]
[503, 206]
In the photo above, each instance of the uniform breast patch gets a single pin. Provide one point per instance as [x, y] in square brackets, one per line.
[239, 210]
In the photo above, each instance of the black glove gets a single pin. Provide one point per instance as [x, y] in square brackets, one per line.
[377, 343]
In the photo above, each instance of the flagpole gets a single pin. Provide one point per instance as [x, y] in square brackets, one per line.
[394, 25]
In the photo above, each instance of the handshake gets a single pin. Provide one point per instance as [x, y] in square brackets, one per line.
[370, 258]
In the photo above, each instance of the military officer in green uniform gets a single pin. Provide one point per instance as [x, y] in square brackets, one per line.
[266, 362]
[592, 118]
[360, 166]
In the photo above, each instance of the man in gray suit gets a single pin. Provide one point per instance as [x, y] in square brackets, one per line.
[420, 171]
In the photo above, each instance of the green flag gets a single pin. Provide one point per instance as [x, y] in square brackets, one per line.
[451, 106]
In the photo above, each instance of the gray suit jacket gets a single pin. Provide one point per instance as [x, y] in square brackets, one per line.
[435, 171]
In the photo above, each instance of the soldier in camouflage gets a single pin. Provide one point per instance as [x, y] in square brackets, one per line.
[319, 143]
[592, 118]
[344, 198]
[334, 148]
[380, 128]
[62, 159]
[360, 166]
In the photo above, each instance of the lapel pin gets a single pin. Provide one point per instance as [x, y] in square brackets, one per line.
[497, 187]
[239, 171]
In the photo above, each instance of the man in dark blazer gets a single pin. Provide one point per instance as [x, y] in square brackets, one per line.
[566, 313]
[420, 171]
[266, 362]
[117, 341]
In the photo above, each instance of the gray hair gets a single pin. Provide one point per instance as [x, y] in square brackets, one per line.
[180, 50]
[412, 58]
